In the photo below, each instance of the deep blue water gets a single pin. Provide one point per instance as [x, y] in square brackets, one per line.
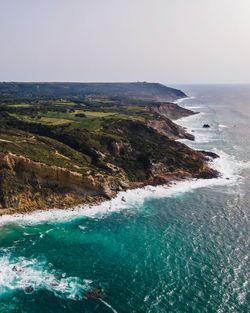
[180, 250]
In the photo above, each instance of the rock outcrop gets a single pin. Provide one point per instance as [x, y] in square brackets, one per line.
[171, 110]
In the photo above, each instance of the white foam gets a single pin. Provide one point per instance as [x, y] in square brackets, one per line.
[178, 101]
[82, 227]
[223, 126]
[32, 275]
[194, 107]
[108, 305]
[194, 125]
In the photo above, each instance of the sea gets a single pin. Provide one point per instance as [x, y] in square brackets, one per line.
[180, 248]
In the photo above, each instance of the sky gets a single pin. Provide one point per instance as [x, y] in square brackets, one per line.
[169, 41]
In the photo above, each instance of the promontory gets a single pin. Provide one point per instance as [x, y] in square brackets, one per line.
[64, 144]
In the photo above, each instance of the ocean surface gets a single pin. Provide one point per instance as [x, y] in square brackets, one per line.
[184, 248]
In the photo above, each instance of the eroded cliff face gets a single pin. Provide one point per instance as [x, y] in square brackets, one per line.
[166, 127]
[164, 114]
[171, 110]
[26, 185]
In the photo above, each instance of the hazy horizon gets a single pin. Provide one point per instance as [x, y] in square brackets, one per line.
[172, 42]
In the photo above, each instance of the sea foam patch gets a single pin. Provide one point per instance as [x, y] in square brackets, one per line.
[223, 126]
[32, 275]
[179, 101]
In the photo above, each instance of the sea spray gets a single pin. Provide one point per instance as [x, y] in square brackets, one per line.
[31, 275]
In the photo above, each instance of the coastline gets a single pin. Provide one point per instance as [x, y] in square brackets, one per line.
[131, 197]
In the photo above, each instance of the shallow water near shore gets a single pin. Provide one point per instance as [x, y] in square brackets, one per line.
[178, 249]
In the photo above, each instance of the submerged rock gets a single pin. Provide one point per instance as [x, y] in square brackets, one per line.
[95, 293]
[206, 126]
[29, 289]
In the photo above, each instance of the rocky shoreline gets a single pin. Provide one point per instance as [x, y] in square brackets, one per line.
[28, 201]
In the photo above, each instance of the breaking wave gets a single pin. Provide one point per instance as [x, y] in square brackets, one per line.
[32, 275]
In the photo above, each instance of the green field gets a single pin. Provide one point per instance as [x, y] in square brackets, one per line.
[90, 120]
[20, 105]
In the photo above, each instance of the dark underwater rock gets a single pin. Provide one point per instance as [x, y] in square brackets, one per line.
[206, 126]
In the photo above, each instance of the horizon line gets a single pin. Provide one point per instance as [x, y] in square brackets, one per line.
[122, 82]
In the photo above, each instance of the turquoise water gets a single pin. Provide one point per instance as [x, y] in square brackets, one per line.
[183, 249]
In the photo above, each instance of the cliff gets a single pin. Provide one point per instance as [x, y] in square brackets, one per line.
[171, 110]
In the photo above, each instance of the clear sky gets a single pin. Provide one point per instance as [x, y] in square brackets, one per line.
[170, 41]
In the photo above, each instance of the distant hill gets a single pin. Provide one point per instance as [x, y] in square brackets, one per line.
[138, 91]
